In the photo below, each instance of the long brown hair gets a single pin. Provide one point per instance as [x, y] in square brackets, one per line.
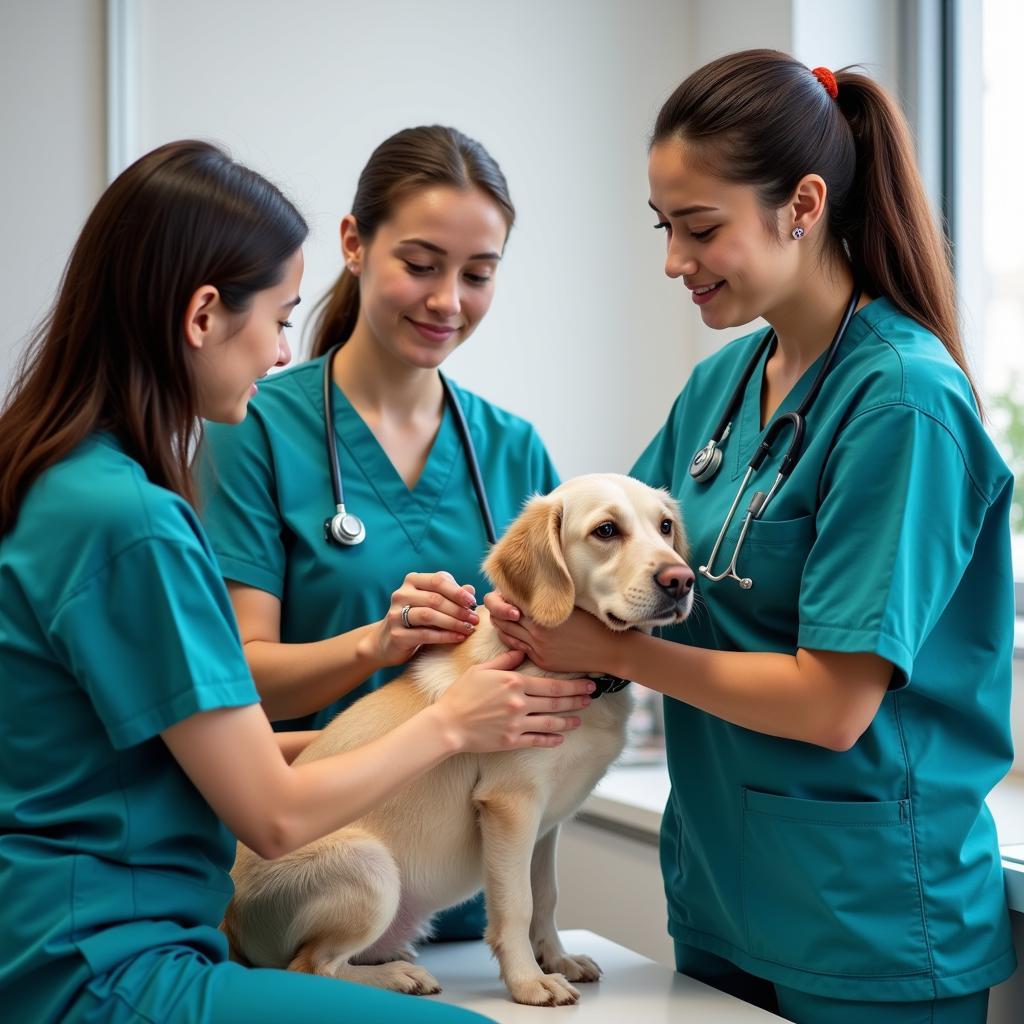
[761, 118]
[410, 160]
[111, 354]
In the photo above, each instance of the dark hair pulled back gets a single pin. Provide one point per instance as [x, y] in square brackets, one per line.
[408, 161]
[761, 118]
[111, 353]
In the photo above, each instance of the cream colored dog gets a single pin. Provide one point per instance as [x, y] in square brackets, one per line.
[351, 905]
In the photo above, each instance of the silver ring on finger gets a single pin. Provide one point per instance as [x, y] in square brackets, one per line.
[405, 616]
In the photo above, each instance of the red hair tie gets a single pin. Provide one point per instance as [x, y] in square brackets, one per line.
[828, 80]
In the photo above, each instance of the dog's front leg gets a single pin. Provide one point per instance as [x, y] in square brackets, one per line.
[508, 826]
[547, 946]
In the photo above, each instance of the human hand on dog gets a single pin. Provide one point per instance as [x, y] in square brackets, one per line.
[491, 708]
[577, 645]
[440, 612]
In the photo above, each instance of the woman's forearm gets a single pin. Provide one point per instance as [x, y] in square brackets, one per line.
[291, 744]
[234, 759]
[816, 697]
[317, 797]
[300, 679]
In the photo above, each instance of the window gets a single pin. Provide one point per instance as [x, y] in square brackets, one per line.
[995, 304]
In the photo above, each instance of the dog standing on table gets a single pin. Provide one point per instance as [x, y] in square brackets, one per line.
[350, 905]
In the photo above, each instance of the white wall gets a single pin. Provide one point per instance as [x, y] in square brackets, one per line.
[586, 337]
[51, 150]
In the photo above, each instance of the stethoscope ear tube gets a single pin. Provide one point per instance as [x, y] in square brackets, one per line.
[343, 527]
[795, 420]
[347, 529]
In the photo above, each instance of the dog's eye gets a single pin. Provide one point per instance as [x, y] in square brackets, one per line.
[666, 527]
[606, 531]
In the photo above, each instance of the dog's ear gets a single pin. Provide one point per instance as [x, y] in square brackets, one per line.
[528, 567]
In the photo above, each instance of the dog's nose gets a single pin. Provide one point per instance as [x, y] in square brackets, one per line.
[675, 580]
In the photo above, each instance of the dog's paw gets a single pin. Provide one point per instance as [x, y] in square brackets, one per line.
[574, 966]
[398, 976]
[545, 990]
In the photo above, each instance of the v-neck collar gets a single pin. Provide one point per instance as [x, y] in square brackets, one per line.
[750, 431]
[412, 509]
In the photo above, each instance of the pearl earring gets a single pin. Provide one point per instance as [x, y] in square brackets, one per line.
[798, 233]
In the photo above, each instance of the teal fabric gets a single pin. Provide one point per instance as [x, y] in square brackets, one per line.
[804, 1008]
[178, 986]
[267, 490]
[114, 625]
[871, 874]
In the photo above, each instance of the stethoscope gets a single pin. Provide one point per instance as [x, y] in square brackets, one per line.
[347, 529]
[706, 462]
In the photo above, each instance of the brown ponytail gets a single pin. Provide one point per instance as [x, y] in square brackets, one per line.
[410, 160]
[895, 246]
[761, 118]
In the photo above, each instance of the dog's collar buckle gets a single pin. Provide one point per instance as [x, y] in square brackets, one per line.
[608, 684]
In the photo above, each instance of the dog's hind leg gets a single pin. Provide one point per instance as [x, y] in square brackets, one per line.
[508, 825]
[547, 946]
[348, 893]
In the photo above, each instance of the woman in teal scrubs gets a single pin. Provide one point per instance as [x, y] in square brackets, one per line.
[832, 729]
[130, 728]
[321, 622]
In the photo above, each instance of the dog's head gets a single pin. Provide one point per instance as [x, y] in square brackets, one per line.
[603, 542]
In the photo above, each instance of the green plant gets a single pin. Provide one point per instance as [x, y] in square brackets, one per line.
[1007, 408]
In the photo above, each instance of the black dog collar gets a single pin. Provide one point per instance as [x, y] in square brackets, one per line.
[608, 684]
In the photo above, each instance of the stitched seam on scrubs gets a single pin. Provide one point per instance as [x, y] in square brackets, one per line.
[829, 822]
[259, 577]
[923, 973]
[91, 578]
[905, 403]
[868, 631]
[230, 693]
[121, 998]
[913, 830]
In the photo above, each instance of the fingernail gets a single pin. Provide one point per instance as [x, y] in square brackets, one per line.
[474, 619]
[471, 604]
[468, 627]
[515, 615]
[591, 687]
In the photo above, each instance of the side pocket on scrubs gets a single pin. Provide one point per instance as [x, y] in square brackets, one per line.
[832, 886]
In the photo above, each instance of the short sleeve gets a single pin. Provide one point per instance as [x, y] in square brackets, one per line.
[898, 520]
[238, 504]
[152, 640]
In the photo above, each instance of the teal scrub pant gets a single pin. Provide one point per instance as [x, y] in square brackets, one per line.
[804, 1008]
[461, 923]
[176, 985]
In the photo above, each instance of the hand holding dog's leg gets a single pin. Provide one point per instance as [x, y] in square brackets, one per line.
[547, 946]
[508, 824]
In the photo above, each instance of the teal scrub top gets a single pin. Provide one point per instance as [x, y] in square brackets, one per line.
[114, 625]
[871, 874]
[267, 490]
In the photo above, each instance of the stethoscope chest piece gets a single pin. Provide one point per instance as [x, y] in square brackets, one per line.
[344, 528]
[704, 465]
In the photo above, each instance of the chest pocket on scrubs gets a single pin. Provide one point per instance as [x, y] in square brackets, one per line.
[773, 556]
[833, 884]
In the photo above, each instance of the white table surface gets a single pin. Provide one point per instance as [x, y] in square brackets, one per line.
[632, 988]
